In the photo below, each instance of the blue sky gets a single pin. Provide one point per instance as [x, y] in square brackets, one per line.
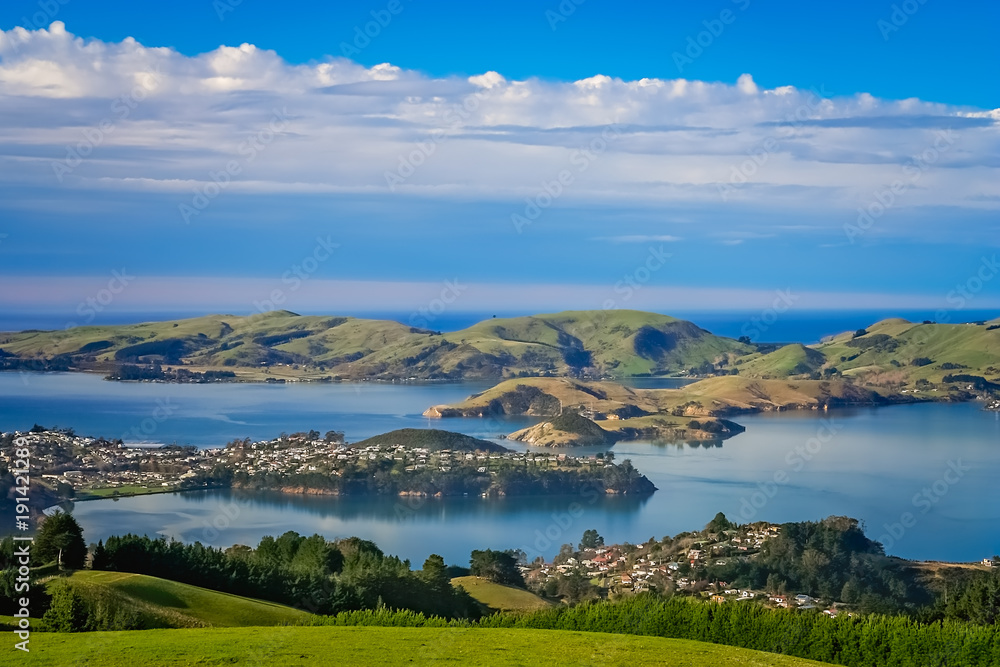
[434, 152]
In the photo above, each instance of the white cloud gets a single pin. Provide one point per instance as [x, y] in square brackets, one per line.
[675, 142]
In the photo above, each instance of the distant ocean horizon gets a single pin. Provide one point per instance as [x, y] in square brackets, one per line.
[800, 326]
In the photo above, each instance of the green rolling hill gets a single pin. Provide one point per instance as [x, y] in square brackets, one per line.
[787, 361]
[364, 646]
[914, 351]
[500, 597]
[161, 603]
[281, 344]
[926, 361]
[616, 342]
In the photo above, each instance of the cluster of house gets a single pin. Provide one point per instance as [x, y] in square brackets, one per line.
[89, 464]
[303, 456]
[800, 601]
[645, 567]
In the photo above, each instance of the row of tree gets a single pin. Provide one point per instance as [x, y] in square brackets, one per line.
[860, 641]
[307, 572]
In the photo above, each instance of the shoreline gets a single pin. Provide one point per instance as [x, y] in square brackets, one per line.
[330, 380]
[136, 494]
[288, 492]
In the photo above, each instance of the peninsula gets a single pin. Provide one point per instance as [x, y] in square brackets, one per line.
[423, 462]
[585, 413]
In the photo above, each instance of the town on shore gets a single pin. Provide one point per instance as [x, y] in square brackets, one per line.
[409, 462]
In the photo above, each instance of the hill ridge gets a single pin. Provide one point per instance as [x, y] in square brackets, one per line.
[285, 345]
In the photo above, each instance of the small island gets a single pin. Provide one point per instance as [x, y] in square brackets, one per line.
[568, 429]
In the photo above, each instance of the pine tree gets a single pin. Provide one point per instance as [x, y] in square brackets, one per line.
[67, 611]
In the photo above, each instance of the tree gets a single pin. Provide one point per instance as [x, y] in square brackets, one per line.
[497, 566]
[315, 554]
[775, 584]
[591, 540]
[100, 560]
[435, 573]
[851, 592]
[719, 524]
[60, 539]
[67, 612]
[575, 586]
[566, 552]
[860, 332]
[979, 602]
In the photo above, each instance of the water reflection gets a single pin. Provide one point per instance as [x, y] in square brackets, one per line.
[411, 526]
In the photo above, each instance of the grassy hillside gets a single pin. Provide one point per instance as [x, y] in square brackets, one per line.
[500, 597]
[161, 603]
[616, 342]
[899, 353]
[277, 341]
[734, 394]
[890, 353]
[567, 430]
[794, 359]
[549, 397]
[281, 344]
[716, 396]
[366, 646]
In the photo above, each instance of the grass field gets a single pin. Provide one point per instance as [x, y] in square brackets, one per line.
[498, 596]
[795, 359]
[384, 646]
[123, 491]
[974, 348]
[168, 604]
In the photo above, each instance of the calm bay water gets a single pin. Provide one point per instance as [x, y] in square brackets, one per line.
[872, 464]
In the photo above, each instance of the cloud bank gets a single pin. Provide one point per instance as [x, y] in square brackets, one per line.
[128, 117]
